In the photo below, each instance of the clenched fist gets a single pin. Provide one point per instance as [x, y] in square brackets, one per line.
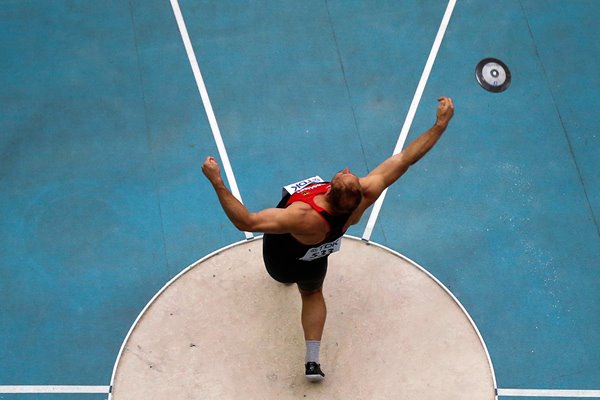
[445, 111]
[211, 170]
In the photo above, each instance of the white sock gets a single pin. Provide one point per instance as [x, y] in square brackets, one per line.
[312, 350]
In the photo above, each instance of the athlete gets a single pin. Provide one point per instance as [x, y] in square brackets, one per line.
[307, 225]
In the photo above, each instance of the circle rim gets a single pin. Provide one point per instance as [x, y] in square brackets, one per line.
[346, 236]
[484, 84]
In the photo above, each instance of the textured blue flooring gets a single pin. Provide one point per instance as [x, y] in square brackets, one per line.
[53, 396]
[102, 133]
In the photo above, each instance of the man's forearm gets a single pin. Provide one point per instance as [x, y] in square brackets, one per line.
[237, 213]
[421, 145]
[394, 167]
[418, 148]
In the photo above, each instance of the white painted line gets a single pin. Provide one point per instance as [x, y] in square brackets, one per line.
[223, 249]
[55, 389]
[207, 105]
[412, 110]
[548, 393]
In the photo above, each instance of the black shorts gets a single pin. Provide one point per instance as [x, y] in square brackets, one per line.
[309, 275]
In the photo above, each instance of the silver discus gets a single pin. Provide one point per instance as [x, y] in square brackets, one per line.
[493, 75]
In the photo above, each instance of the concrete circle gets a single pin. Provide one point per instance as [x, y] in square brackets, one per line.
[224, 330]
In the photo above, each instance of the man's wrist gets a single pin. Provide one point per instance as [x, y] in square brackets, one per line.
[218, 183]
[441, 126]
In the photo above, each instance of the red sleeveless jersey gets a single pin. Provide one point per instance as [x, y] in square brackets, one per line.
[285, 245]
[308, 194]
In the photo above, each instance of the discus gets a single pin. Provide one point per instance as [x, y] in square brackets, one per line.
[493, 75]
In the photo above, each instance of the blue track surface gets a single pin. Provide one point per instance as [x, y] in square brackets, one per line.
[102, 133]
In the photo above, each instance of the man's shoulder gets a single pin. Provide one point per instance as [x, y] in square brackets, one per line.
[301, 209]
[305, 216]
[372, 185]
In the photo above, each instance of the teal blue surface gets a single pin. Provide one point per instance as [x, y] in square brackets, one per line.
[102, 134]
[53, 396]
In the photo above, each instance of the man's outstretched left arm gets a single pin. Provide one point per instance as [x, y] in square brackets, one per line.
[394, 167]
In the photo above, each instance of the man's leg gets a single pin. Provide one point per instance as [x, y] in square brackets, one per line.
[314, 313]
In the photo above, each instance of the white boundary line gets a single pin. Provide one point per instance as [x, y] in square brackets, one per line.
[54, 389]
[214, 126]
[72, 389]
[412, 110]
[166, 286]
[548, 393]
[499, 392]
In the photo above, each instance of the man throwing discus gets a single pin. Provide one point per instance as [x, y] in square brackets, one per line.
[308, 223]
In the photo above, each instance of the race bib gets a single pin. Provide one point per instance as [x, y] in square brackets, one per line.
[294, 187]
[323, 250]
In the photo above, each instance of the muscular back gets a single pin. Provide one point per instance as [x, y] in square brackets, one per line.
[314, 228]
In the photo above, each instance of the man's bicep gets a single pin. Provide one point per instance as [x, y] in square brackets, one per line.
[272, 220]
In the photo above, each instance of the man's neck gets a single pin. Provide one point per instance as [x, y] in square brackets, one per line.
[323, 202]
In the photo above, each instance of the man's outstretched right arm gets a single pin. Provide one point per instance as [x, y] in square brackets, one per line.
[270, 220]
